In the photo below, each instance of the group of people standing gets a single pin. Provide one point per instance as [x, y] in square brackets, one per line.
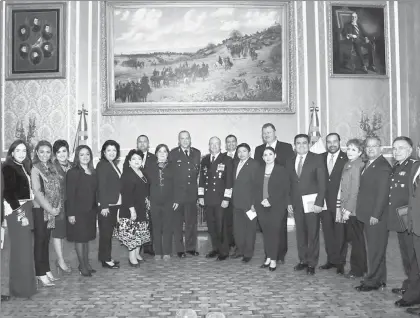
[147, 204]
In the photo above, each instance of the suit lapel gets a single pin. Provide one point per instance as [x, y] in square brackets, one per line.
[339, 159]
[306, 163]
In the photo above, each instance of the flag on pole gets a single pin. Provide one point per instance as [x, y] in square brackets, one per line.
[82, 128]
[316, 144]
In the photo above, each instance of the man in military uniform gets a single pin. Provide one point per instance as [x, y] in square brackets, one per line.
[187, 163]
[215, 192]
[399, 197]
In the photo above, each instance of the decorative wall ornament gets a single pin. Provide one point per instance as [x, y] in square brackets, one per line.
[28, 137]
[358, 39]
[168, 58]
[37, 40]
[371, 126]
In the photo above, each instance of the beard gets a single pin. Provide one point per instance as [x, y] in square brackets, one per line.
[333, 149]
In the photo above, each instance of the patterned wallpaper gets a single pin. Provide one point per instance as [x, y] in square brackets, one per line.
[54, 103]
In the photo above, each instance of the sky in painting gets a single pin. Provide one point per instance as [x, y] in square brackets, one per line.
[185, 29]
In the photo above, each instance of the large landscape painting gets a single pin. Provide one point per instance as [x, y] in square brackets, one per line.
[195, 55]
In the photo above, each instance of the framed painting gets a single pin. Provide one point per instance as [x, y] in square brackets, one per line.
[192, 57]
[36, 35]
[358, 39]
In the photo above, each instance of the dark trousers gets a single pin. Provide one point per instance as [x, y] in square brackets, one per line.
[307, 236]
[187, 213]
[162, 218]
[106, 228]
[41, 243]
[354, 234]
[376, 242]
[412, 294]
[283, 245]
[245, 232]
[215, 225]
[358, 49]
[334, 238]
[405, 241]
[228, 225]
[272, 229]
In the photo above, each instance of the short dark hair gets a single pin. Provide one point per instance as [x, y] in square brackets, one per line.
[142, 136]
[161, 146]
[40, 144]
[333, 134]
[269, 148]
[302, 136]
[130, 155]
[110, 143]
[268, 125]
[404, 138]
[359, 144]
[27, 162]
[58, 144]
[231, 136]
[244, 145]
[76, 160]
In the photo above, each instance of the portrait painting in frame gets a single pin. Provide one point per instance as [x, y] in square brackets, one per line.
[358, 39]
[36, 36]
[195, 57]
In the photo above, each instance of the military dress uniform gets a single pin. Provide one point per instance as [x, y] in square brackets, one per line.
[187, 167]
[399, 197]
[216, 181]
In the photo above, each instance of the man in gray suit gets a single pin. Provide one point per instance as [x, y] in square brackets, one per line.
[372, 207]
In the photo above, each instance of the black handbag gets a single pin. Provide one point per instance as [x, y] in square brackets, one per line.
[402, 213]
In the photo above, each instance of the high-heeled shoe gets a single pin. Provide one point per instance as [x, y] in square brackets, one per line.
[265, 264]
[84, 272]
[272, 269]
[133, 264]
[51, 277]
[44, 281]
[60, 269]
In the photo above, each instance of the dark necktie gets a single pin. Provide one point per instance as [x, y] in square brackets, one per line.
[356, 28]
[186, 153]
[212, 159]
[300, 165]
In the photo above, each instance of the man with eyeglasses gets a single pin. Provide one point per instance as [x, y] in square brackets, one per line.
[402, 148]
[372, 205]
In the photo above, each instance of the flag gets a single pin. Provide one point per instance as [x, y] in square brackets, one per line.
[316, 144]
[82, 128]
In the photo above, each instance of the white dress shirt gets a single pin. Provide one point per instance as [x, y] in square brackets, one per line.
[272, 145]
[416, 175]
[231, 153]
[298, 159]
[144, 159]
[335, 156]
[214, 156]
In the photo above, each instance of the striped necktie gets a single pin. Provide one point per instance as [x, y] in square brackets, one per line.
[356, 28]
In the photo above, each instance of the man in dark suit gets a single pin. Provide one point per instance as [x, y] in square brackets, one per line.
[214, 193]
[334, 232]
[187, 164]
[148, 159]
[354, 32]
[372, 207]
[412, 294]
[284, 151]
[244, 179]
[231, 143]
[402, 148]
[308, 175]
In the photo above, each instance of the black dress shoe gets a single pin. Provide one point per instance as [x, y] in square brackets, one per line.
[310, 270]
[403, 303]
[413, 311]
[300, 267]
[115, 262]
[5, 297]
[328, 265]
[193, 253]
[272, 269]
[340, 269]
[398, 291]
[365, 288]
[212, 254]
[181, 255]
[113, 266]
[246, 259]
[221, 257]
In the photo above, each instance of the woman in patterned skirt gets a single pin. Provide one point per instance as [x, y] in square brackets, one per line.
[62, 164]
[133, 228]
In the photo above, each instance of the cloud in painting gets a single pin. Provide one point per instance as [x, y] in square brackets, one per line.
[222, 12]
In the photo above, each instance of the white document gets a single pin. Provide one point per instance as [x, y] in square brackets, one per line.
[309, 201]
[251, 214]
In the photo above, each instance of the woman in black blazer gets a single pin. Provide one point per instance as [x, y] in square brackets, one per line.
[271, 195]
[133, 226]
[82, 206]
[165, 196]
[109, 197]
